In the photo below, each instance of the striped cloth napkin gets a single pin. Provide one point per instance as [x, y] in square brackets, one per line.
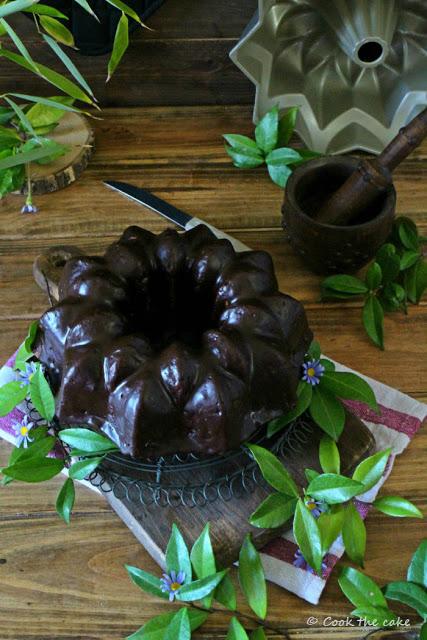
[398, 422]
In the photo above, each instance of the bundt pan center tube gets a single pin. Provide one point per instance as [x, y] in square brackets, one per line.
[172, 343]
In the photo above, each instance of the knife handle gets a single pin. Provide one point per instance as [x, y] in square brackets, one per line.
[237, 245]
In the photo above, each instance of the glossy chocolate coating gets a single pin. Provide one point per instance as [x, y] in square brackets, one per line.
[173, 343]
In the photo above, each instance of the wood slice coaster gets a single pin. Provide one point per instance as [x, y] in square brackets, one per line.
[73, 130]
[151, 524]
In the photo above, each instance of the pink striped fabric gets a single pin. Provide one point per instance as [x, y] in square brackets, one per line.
[398, 422]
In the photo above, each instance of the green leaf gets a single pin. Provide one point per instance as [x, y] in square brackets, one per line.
[121, 43]
[308, 537]
[25, 123]
[244, 161]
[417, 570]
[34, 154]
[11, 394]
[86, 6]
[125, 9]
[345, 284]
[57, 30]
[354, 535]
[236, 631]
[281, 157]
[56, 79]
[409, 258]
[408, 593]
[361, 590]
[6, 114]
[287, 126]
[225, 593]
[155, 628]
[374, 276]
[42, 396]
[242, 144]
[37, 449]
[329, 455]
[333, 488]
[420, 281]
[199, 589]
[373, 319]
[25, 351]
[177, 556]
[314, 350]
[274, 511]
[252, 578]
[273, 471]
[330, 526]
[15, 6]
[350, 387]
[258, 634]
[310, 474]
[146, 581]
[423, 631]
[306, 155]
[9, 137]
[86, 440]
[328, 412]
[267, 130]
[81, 469]
[11, 179]
[65, 500]
[45, 10]
[408, 232]
[203, 559]
[305, 392]
[34, 469]
[397, 507]
[179, 626]
[375, 616]
[16, 41]
[370, 470]
[279, 174]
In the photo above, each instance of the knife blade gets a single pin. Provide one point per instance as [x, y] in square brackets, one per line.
[184, 220]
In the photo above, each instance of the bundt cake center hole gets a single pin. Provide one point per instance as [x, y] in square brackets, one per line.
[175, 310]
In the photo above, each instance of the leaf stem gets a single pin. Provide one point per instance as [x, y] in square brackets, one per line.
[263, 623]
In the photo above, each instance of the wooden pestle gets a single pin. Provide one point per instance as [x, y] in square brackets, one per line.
[372, 177]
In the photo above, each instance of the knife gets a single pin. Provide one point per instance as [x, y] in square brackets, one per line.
[187, 222]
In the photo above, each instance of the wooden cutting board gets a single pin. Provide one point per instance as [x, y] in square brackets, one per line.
[229, 518]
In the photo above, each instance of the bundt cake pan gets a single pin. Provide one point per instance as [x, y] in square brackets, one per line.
[356, 68]
[173, 343]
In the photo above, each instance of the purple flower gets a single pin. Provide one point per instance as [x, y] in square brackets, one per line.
[22, 430]
[171, 583]
[30, 370]
[29, 208]
[301, 563]
[315, 506]
[313, 371]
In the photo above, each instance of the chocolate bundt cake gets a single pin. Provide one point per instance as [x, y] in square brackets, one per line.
[173, 343]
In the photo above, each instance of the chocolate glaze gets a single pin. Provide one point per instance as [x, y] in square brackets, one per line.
[173, 343]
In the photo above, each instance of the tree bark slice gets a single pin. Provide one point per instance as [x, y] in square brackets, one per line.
[73, 130]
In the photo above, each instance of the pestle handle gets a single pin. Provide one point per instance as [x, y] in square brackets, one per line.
[372, 177]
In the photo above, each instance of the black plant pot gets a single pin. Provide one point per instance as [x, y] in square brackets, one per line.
[95, 38]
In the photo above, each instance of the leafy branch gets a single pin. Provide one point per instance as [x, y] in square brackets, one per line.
[272, 134]
[397, 277]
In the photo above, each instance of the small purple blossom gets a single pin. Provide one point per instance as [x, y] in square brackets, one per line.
[25, 376]
[301, 563]
[312, 372]
[171, 583]
[22, 431]
[29, 208]
[316, 507]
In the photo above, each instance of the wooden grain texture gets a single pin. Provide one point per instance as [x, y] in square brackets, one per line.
[68, 583]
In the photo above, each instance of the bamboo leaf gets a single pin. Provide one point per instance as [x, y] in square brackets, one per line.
[124, 8]
[26, 124]
[86, 6]
[57, 30]
[17, 41]
[121, 43]
[66, 60]
[45, 10]
[15, 6]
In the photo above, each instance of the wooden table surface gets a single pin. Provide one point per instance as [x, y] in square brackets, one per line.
[68, 583]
